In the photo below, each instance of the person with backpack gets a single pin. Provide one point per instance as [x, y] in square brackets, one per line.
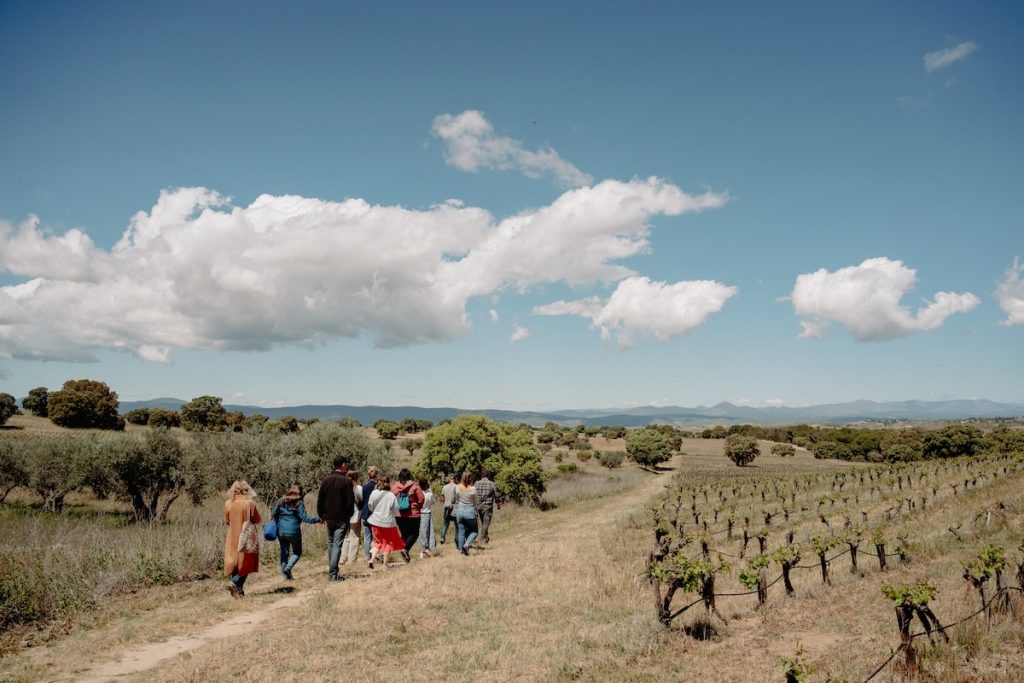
[410, 505]
[290, 512]
[426, 521]
[383, 506]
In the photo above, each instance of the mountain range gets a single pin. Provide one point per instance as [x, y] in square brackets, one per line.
[721, 413]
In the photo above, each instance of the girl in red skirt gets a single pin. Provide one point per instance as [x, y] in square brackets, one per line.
[383, 507]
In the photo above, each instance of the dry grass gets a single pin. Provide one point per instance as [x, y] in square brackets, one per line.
[560, 596]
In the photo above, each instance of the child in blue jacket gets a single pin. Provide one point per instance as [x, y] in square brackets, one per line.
[290, 513]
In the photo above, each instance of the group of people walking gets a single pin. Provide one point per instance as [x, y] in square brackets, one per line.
[379, 516]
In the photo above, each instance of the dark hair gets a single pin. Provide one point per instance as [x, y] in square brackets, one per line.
[424, 484]
[405, 475]
[338, 461]
[354, 475]
[485, 473]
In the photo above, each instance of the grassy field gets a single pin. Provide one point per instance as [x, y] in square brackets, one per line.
[560, 594]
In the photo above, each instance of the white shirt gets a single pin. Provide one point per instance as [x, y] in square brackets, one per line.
[383, 508]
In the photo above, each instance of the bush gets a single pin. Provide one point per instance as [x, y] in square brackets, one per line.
[13, 468]
[162, 417]
[611, 459]
[832, 450]
[567, 468]
[584, 456]
[783, 450]
[203, 413]
[139, 416]
[37, 401]
[522, 482]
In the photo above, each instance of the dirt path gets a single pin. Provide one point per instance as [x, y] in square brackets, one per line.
[525, 585]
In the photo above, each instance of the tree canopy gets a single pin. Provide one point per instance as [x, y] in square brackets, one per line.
[36, 402]
[204, 413]
[648, 447]
[85, 404]
[741, 449]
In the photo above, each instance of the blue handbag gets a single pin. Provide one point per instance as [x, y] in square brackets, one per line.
[270, 530]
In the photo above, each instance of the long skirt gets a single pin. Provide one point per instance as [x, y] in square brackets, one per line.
[387, 539]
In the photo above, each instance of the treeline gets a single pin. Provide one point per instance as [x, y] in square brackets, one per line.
[885, 445]
[154, 468]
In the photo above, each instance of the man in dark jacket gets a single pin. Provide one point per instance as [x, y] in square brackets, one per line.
[334, 506]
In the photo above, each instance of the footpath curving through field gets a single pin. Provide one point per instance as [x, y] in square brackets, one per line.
[513, 609]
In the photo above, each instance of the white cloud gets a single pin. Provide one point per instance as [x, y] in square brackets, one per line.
[197, 272]
[640, 308]
[1009, 294]
[471, 144]
[940, 59]
[775, 402]
[866, 299]
[494, 315]
[519, 334]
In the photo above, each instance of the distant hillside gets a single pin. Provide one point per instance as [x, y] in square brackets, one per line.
[722, 413]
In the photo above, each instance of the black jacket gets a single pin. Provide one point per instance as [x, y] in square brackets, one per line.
[336, 502]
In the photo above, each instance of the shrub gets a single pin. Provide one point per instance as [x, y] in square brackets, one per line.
[203, 413]
[139, 416]
[13, 468]
[567, 468]
[783, 450]
[584, 456]
[36, 402]
[8, 407]
[831, 449]
[85, 404]
[162, 417]
[611, 459]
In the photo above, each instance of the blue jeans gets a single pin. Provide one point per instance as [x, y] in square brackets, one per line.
[239, 581]
[335, 537]
[291, 550]
[465, 523]
[367, 539]
[426, 532]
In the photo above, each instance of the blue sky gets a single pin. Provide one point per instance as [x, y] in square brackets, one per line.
[540, 205]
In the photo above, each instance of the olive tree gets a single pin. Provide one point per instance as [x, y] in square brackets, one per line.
[783, 450]
[148, 468]
[13, 468]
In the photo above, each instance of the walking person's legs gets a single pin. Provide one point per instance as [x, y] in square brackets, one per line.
[446, 519]
[353, 539]
[367, 541]
[296, 552]
[486, 513]
[426, 535]
[335, 536]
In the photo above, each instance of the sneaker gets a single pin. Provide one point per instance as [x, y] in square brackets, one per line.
[442, 540]
[288, 574]
[422, 555]
[241, 593]
[369, 564]
[405, 556]
[427, 553]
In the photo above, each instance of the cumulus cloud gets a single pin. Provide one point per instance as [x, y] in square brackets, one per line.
[197, 272]
[1009, 294]
[471, 144]
[866, 299]
[640, 308]
[494, 315]
[940, 59]
[519, 334]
